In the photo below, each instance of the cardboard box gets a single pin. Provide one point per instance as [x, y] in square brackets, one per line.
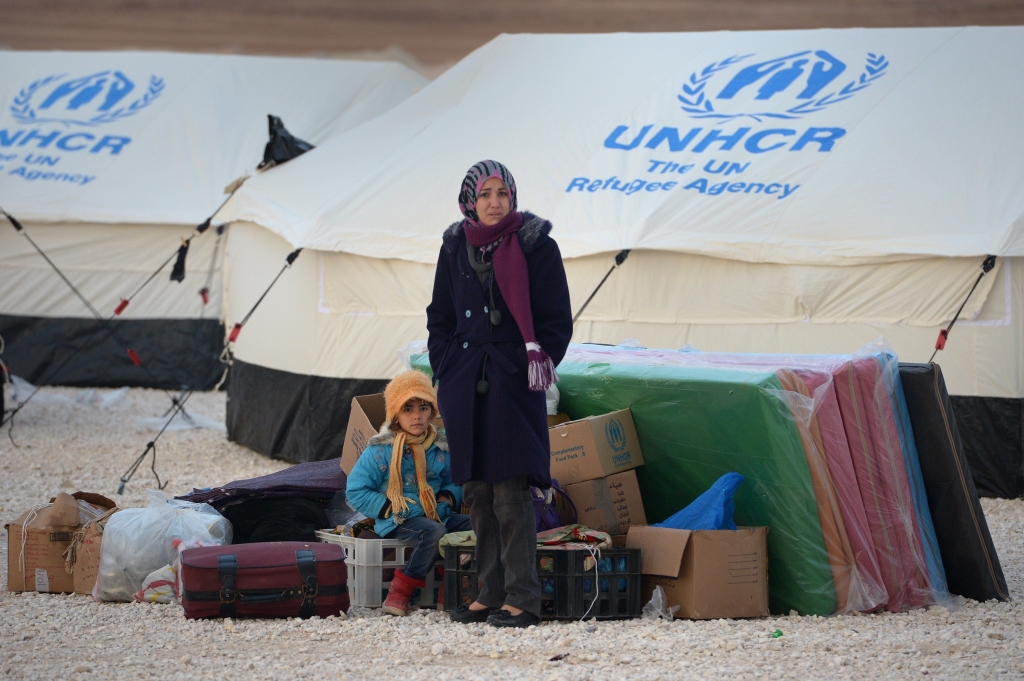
[364, 421]
[47, 534]
[609, 504]
[555, 419]
[86, 564]
[594, 447]
[709, 574]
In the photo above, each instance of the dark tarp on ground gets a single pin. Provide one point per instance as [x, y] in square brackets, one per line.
[288, 505]
[177, 352]
[291, 416]
[992, 430]
[972, 566]
[317, 480]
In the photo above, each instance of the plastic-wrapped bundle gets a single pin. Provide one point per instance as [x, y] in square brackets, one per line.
[810, 399]
[882, 449]
[698, 423]
[874, 412]
[867, 588]
[139, 541]
[851, 592]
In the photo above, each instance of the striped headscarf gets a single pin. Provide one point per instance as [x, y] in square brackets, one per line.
[475, 178]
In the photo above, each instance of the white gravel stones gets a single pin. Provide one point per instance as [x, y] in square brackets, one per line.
[70, 443]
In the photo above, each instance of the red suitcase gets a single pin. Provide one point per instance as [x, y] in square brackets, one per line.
[272, 579]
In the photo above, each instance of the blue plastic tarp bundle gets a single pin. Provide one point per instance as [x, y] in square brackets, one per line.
[712, 510]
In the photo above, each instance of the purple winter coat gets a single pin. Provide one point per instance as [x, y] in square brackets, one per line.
[504, 433]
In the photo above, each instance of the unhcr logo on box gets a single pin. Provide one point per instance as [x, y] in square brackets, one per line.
[615, 434]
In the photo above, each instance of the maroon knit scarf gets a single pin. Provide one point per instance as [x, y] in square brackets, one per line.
[514, 283]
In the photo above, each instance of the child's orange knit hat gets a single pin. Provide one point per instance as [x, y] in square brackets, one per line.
[404, 387]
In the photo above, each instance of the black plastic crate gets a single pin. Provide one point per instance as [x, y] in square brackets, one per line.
[567, 579]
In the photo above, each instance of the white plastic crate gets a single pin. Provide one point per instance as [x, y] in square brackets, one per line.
[368, 558]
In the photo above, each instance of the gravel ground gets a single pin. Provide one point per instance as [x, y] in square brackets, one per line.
[73, 439]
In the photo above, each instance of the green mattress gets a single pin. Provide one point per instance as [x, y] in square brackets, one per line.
[698, 423]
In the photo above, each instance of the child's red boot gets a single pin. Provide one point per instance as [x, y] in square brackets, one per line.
[400, 593]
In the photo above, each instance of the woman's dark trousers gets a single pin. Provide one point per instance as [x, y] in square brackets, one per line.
[506, 543]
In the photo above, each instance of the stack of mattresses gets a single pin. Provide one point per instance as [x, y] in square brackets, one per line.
[696, 423]
[880, 444]
[858, 450]
[827, 447]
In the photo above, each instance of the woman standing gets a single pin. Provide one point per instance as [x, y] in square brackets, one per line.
[499, 323]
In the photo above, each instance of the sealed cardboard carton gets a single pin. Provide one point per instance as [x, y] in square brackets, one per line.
[38, 540]
[594, 447]
[609, 504]
[364, 421]
[709, 574]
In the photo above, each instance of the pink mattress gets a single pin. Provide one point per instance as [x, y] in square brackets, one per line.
[867, 588]
[882, 475]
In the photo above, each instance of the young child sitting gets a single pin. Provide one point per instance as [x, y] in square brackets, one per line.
[403, 479]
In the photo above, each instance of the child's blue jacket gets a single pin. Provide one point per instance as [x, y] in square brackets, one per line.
[368, 482]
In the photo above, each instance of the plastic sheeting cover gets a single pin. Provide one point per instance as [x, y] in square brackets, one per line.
[695, 424]
[884, 458]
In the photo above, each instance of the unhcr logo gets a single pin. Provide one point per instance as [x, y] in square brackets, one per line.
[91, 100]
[615, 434]
[785, 87]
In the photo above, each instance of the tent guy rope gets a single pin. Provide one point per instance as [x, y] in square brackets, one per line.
[204, 292]
[178, 273]
[940, 343]
[107, 322]
[180, 402]
[619, 259]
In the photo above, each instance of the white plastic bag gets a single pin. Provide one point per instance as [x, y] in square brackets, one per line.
[139, 541]
[656, 607]
[164, 585]
[160, 586]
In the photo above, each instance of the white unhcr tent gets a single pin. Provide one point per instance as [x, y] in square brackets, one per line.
[786, 191]
[109, 159]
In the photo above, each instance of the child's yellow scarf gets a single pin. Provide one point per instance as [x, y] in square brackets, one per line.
[419, 446]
